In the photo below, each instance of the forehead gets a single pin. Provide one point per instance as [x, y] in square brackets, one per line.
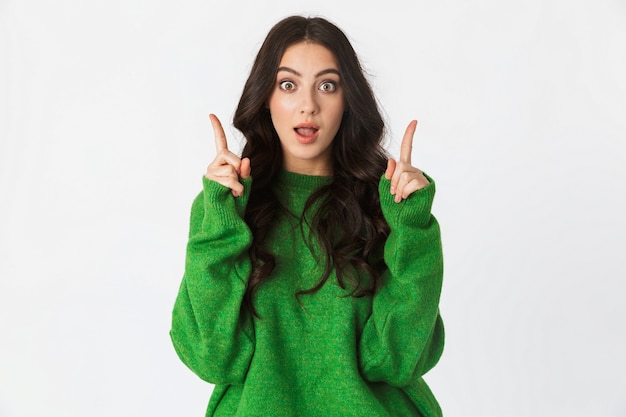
[308, 55]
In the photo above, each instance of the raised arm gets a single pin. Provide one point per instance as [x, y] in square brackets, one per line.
[404, 335]
[212, 329]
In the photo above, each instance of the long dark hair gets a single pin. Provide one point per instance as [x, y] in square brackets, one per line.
[348, 223]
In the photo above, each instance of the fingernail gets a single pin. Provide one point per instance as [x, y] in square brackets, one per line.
[392, 189]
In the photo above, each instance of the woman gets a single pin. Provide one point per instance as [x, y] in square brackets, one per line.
[314, 266]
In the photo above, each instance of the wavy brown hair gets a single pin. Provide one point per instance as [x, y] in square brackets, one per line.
[348, 223]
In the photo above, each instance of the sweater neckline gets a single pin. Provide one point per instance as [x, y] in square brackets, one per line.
[301, 182]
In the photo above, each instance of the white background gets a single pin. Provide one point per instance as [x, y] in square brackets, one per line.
[104, 138]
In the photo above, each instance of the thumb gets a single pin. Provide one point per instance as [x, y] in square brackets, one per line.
[391, 167]
[244, 168]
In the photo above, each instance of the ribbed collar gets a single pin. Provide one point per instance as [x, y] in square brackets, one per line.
[300, 183]
[293, 190]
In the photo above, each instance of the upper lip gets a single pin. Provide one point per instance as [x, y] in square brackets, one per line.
[309, 125]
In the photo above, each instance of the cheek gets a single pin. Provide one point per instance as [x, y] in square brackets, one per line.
[338, 110]
[279, 105]
[280, 115]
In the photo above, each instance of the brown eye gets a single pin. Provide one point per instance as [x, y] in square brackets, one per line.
[287, 85]
[328, 86]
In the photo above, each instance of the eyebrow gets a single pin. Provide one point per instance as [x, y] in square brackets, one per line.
[319, 74]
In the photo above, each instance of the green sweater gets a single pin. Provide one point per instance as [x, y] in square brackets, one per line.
[334, 355]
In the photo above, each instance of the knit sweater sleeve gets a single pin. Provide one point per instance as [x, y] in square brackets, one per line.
[212, 330]
[403, 338]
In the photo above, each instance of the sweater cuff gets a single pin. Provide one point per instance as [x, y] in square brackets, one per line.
[415, 210]
[220, 203]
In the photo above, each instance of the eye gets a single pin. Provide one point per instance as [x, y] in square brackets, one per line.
[287, 85]
[328, 86]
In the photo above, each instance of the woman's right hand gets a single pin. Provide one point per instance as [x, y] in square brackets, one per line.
[227, 168]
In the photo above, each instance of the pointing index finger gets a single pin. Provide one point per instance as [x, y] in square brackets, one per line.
[406, 147]
[220, 136]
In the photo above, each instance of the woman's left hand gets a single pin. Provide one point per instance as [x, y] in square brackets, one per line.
[405, 178]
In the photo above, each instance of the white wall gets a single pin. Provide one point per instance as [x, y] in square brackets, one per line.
[104, 137]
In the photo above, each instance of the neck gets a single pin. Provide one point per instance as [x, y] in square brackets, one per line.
[321, 170]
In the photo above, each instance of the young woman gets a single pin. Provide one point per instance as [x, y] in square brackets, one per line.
[314, 265]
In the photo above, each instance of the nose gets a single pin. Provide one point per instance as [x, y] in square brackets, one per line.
[309, 103]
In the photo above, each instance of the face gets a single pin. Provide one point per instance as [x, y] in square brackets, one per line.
[306, 107]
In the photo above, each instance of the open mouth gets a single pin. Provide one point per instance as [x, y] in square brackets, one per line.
[306, 131]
